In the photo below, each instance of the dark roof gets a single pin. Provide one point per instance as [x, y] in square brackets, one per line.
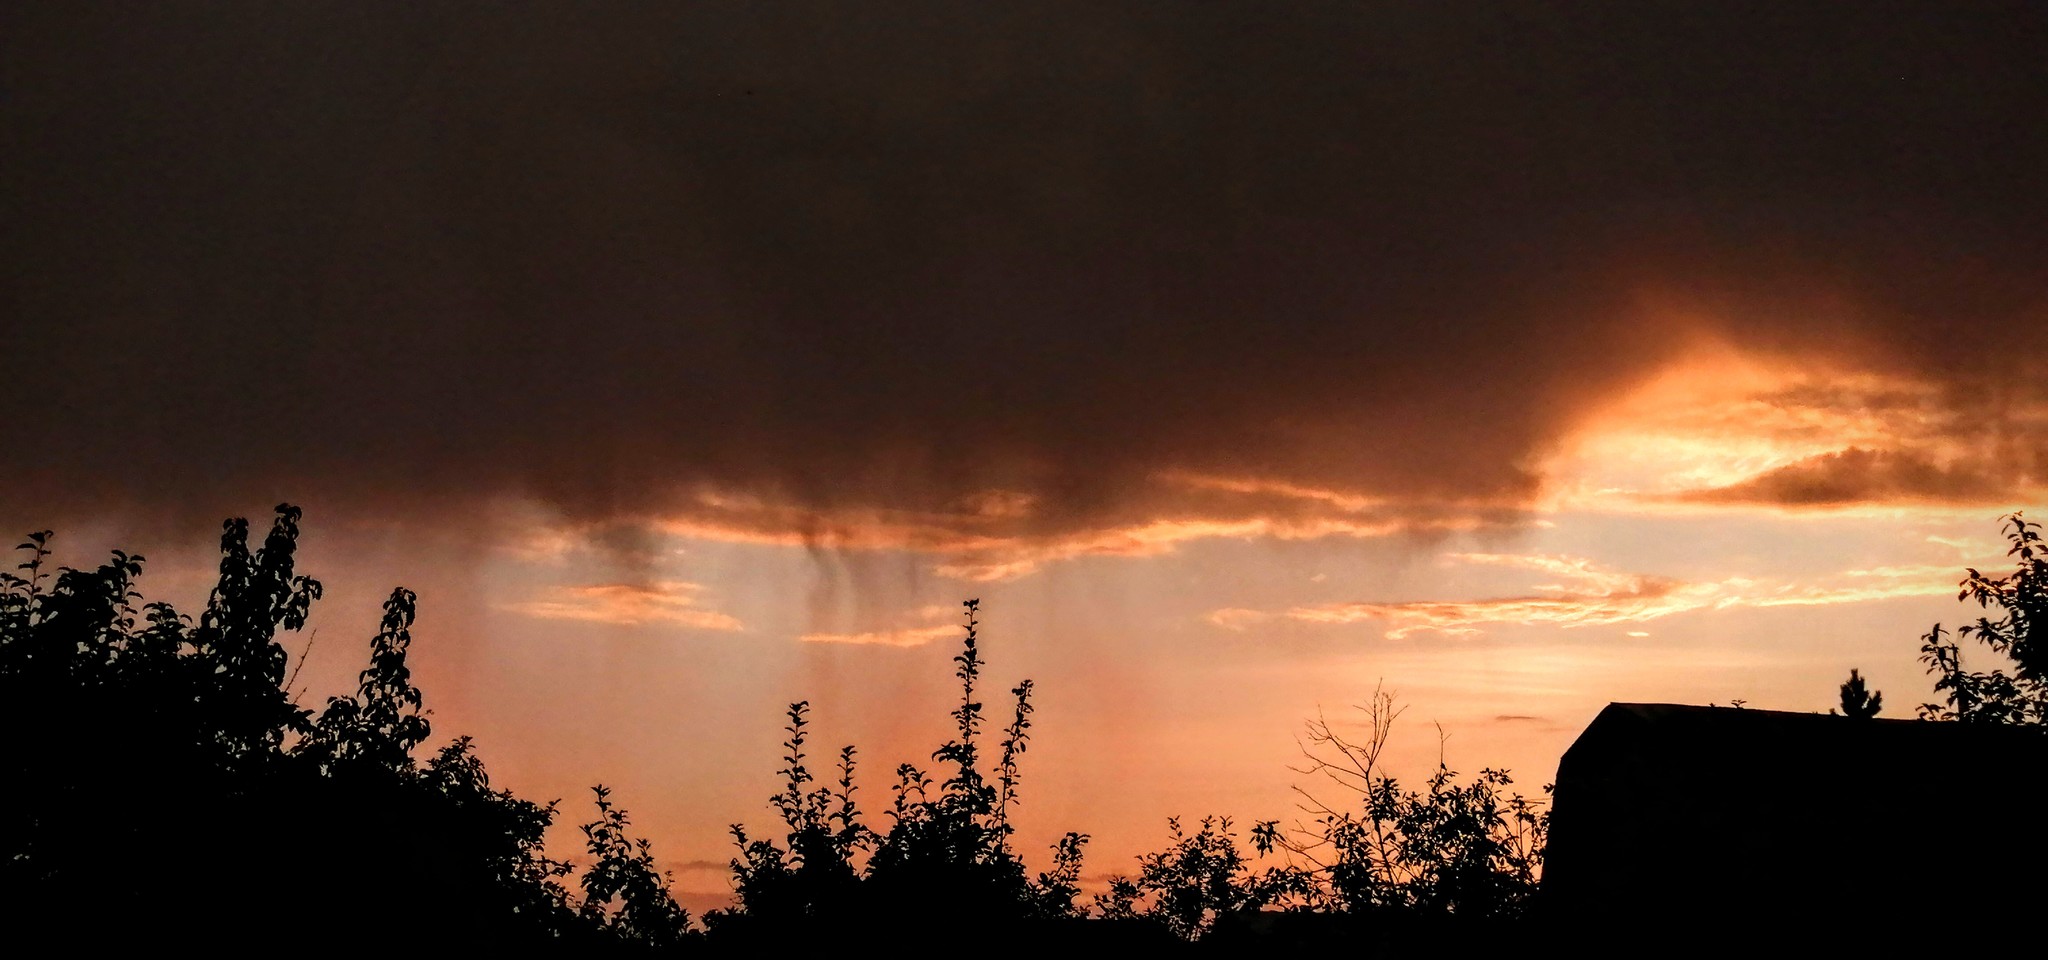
[1764, 734]
[1682, 810]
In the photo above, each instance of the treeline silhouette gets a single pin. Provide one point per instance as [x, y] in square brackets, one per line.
[165, 785]
[162, 784]
[2015, 609]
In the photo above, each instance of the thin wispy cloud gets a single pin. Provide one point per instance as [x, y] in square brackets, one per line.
[673, 602]
[931, 623]
[905, 637]
[1585, 595]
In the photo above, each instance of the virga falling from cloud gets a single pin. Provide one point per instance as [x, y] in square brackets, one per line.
[870, 270]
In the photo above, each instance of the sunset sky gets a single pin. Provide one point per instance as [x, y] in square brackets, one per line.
[690, 359]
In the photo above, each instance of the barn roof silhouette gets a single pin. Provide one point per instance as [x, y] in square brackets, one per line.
[1670, 813]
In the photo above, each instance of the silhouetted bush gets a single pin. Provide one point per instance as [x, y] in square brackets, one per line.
[164, 786]
[2020, 600]
[161, 773]
[624, 896]
[1858, 701]
[1451, 859]
[944, 863]
[1202, 879]
[1472, 851]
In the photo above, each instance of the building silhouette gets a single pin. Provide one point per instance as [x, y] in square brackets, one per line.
[1720, 823]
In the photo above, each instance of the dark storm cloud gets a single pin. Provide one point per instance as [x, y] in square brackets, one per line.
[850, 256]
[1857, 476]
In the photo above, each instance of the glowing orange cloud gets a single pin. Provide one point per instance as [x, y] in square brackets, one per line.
[934, 622]
[1729, 430]
[1348, 502]
[906, 637]
[628, 604]
[1721, 430]
[1589, 596]
[994, 538]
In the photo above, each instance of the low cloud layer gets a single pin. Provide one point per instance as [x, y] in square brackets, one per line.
[984, 282]
[1857, 475]
[976, 542]
[661, 603]
[926, 624]
[1585, 595]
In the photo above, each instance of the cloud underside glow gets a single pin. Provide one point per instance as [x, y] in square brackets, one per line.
[661, 602]
[962, 552]
[726, 330]
[905, 637]
[1587, 596]
[1725, 431]
[1720, 432]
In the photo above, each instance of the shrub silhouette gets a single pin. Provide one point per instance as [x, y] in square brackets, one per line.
[161, 774]
[1201, 879]
[813, 879]
[945, 862]
[386, 719]
[1470, 851]
[2020, 600]
[1402, 867]
[624, 896]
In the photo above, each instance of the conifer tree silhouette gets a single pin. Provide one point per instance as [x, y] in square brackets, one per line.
[1858, 701]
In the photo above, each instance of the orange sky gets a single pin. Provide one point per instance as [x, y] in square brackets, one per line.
[1177, 655]
[693, 359]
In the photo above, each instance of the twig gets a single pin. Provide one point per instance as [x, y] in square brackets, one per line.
[301, 665]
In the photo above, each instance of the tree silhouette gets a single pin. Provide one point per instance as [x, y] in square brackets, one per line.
[164, 775]
[624, 895]
[1201, 879]
[945, 863]
[160, 773]
[386, 719]
[813, 879]
[1473, 851]
[1858, 701]
[257, 595]
[504, 837]
[952, 846]
[2016, 605]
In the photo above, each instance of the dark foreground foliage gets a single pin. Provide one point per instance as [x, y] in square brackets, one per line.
[944, 863]
[161, 775]
[162, 786]
[2015, 611]
[1394, 866]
